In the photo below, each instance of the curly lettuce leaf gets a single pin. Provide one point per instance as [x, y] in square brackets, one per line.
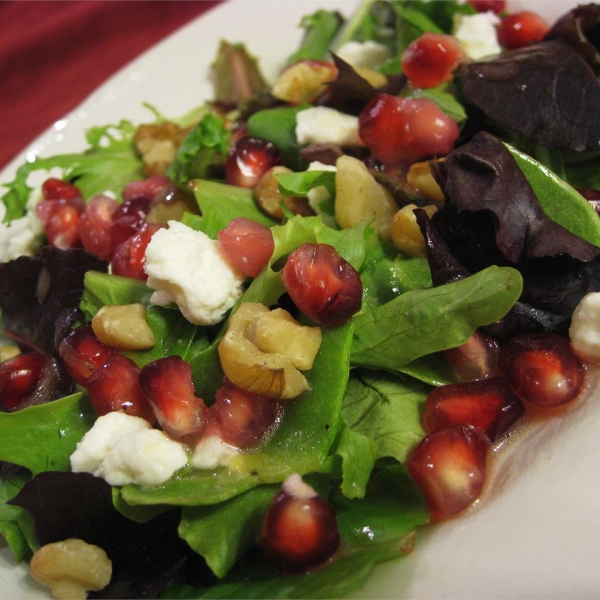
[201, 152]
[108, 164]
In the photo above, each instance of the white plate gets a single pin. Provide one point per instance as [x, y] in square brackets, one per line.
[536, 534]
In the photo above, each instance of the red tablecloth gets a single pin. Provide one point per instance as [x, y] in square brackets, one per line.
[53, 54]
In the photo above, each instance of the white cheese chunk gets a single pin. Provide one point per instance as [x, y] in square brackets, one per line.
[211, 452]
[477, 34]
[585, 328]
[368, 55]
[323, 125]
[23, 236]
[187, 267]
[144, 457]
[102, 437]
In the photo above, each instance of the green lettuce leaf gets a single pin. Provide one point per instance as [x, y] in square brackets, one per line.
[15, 524]
[560, 201]
[422, 322]
[43, 437]
[386, 409]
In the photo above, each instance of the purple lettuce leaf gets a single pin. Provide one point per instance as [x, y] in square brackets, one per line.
[547, 92]
[39, 296]
[491, 216]
[580, 28]
[145, 556]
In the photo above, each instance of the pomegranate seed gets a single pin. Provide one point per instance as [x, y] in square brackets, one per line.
[249, 159]
[243, 419]
[521, 29]
[128, 219]
[488, 405]
[82, 353]
[145, 188]
[324, 286]
[115, 386]
[431, 59]
[300, 529]
[168, 384]
[495, 6]
[247, 244]
[400, 130]
[19, 377]
[542, 369]
[95, 226]
[58, 189]
[61, 221]
[449, 465]
[477, 358]
[129, 256]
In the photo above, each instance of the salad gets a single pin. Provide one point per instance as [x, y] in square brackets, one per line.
[352, 450]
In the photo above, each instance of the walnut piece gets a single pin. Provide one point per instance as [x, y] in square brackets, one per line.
[157, 144]
[71, 568]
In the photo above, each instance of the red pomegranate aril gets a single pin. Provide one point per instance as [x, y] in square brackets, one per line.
[61, 221]
[145, 188]
[449, 466]
[542, 369]
[488, 405]
[249, 159]
[82, 353]
[128, 219]
[167, 382]
[431, 59]
[495, 6]
[115, 386]
[324, 286]
[477, 358]
[404, 130]
[19, 377]
[129, 256]
[521, 29]
[95, 226]
[299, 529]
[247, 244]
[243, 419]
[59, 189]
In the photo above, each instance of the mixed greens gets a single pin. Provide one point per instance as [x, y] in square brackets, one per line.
[351, 433]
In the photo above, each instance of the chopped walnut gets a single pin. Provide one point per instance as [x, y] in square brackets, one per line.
[71, 568]
[157, 143]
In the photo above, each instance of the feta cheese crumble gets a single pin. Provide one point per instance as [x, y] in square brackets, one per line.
[211, 452]
[123, 449]
[23, 236]
[368, 55]
[145, 457]
[187, 267]
[323, 125]
[477, 34]
[585, 328]
[102, 437]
